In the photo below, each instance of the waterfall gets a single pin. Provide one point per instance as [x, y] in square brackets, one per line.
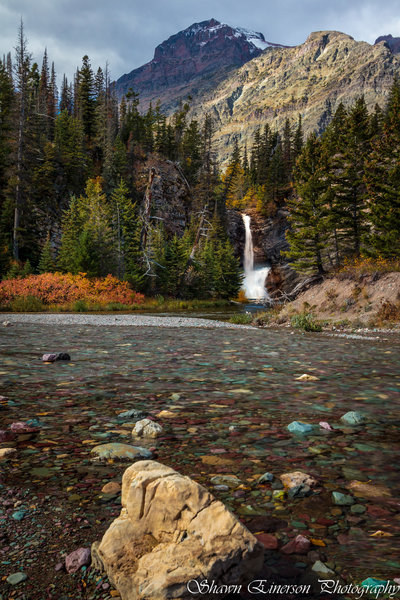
[254, 278]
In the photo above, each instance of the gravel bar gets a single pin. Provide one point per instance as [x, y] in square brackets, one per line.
[121, 320]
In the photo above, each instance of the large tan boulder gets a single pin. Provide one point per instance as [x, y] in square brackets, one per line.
[171, 530]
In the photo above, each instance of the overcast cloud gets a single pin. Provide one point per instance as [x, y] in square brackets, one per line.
[125, 32]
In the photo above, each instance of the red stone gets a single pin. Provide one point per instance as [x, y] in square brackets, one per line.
[324, 521]
[268, 540]
[377, 511]
[300, 545]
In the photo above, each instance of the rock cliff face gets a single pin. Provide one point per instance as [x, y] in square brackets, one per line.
[309, 80]
[268, 236]
[192, 62]
[390, 42]
[169, 196]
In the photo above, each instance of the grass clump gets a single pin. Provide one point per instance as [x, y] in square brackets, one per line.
[241, 319]
[27, 304]
[306, 322]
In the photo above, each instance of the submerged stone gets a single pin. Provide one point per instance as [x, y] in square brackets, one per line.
[16, 578]
[131, 414]
[122, 451]
[353, 418]
[147, 428]
[373, 584]
[300, 427]
[266, 478]
[342, 499]
[321, 569]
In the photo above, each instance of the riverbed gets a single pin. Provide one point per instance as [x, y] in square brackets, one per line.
[230, 394]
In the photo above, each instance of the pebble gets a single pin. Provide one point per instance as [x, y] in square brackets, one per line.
[112, 487]
[295, 479]
[267, 477]
[321, 569]
[300, 427]
[19, 515]
[299, 545]
[147, 428]
[122, 451]
[353, 418]
[269, 541]
[53, 357]
[7, 452]
[77, 559]
[17, 578]
[131, 414]
[342, 499]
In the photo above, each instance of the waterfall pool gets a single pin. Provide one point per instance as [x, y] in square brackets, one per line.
[230, 395]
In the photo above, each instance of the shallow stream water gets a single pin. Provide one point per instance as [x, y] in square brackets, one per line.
[212, 380]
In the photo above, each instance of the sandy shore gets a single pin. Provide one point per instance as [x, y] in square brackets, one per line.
[120, 319]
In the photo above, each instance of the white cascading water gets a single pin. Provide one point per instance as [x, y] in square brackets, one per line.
[254, 279]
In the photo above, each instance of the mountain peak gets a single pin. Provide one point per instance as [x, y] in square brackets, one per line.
[205, 49]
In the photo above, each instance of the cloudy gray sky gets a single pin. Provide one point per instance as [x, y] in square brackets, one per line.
[125, 32]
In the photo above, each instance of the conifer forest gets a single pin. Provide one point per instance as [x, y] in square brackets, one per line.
[69, 201]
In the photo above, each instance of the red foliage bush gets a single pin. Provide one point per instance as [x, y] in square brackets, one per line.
[58, 288]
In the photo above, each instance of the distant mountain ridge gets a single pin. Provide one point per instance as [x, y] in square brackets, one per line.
[191, 61]
[244, 82]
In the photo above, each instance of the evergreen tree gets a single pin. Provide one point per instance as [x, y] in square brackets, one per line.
[308, 218]
[46, 262]
[87, 243]
[382, 177]
[127, 233]
[85, 101]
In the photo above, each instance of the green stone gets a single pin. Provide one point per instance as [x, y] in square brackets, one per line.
[342, 499]
[16, 578]
[358, 509]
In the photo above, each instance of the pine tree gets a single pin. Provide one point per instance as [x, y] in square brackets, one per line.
[69, 142]
[382, 177]
[347, 142]
[127, 233]
[46, 262]
[308, 218]
[88, 243]
[85, 101]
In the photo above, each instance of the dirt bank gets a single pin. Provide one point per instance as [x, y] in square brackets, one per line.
[370, 300]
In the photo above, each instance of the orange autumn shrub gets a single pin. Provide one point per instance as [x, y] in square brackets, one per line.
[59, 288]
[363, 265]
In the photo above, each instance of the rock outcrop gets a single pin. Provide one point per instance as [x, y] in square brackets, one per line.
[170, 198]
[393, 43]
[171, 531]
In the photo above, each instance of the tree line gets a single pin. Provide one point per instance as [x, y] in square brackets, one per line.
[347, 189]
[67, 173]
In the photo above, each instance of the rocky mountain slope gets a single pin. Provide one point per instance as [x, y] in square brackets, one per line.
[308, 80]
[244, 81]
[191, 62]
